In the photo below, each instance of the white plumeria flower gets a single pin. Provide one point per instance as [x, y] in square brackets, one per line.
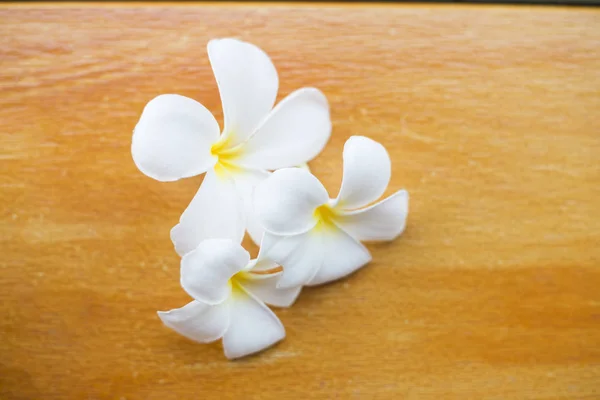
[229, 299]
[177, 137]
[317, 239]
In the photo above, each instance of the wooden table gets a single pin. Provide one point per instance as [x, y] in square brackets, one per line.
[492, 119]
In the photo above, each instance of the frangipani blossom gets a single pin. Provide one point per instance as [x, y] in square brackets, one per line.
[177, 137]
[229, 299]
[317, 239]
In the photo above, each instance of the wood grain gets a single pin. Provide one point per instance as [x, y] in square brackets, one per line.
[491, 117]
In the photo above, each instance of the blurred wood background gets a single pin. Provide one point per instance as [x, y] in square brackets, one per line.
[492, 118]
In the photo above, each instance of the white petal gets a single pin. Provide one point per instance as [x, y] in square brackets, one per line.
[294, 133]
[246, 181]
[205, 271]
[285, 202]
[367, 171]
[300, 256]
[216, 211]
[264, 287]
[262, 262]
[173, 137]
[343, 255]
[248, 85]
[198, 321]
[253, 326]
[385, 220]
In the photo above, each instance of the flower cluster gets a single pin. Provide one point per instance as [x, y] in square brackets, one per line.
[305, 237]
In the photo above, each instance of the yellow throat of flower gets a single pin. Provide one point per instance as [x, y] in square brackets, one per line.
[236, 288]
[226, 155]
[324, 214]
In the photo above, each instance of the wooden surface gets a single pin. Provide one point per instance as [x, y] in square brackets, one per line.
[492, 119]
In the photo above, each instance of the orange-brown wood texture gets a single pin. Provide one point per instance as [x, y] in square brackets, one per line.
[491, 116]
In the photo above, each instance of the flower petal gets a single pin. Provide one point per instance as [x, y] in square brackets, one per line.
[264, 287]
[246, 181]
[262, 262]
[247, 83]
[198, 321]
[216, 211]
[294, 133]
[299, 255]
[385, 220]
[286, 201]
[367, 171]
[343, 255]
[205, 271]
[173, 137]
[253, 326]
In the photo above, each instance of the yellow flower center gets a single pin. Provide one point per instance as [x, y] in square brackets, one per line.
[226, 155]
[236, 281]
[325, 215]
[236, 288]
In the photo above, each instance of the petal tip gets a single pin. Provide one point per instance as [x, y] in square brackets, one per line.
[236, 356]
[291, 300]
[166, 317]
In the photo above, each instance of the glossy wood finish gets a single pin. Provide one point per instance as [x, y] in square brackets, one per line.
[490, 114]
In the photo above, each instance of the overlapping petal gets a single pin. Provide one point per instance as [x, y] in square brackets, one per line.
[246, 181]
[253, 326]
[323, 254]
[262, 263]
[385, 220]
[264, 287]
[293, 133]
[367, 171]
[248, 84]
[173, 137]
[342, 256]
[300, 255]
[205, 271]
[198, 321]
[216, 211]
[285, 202]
